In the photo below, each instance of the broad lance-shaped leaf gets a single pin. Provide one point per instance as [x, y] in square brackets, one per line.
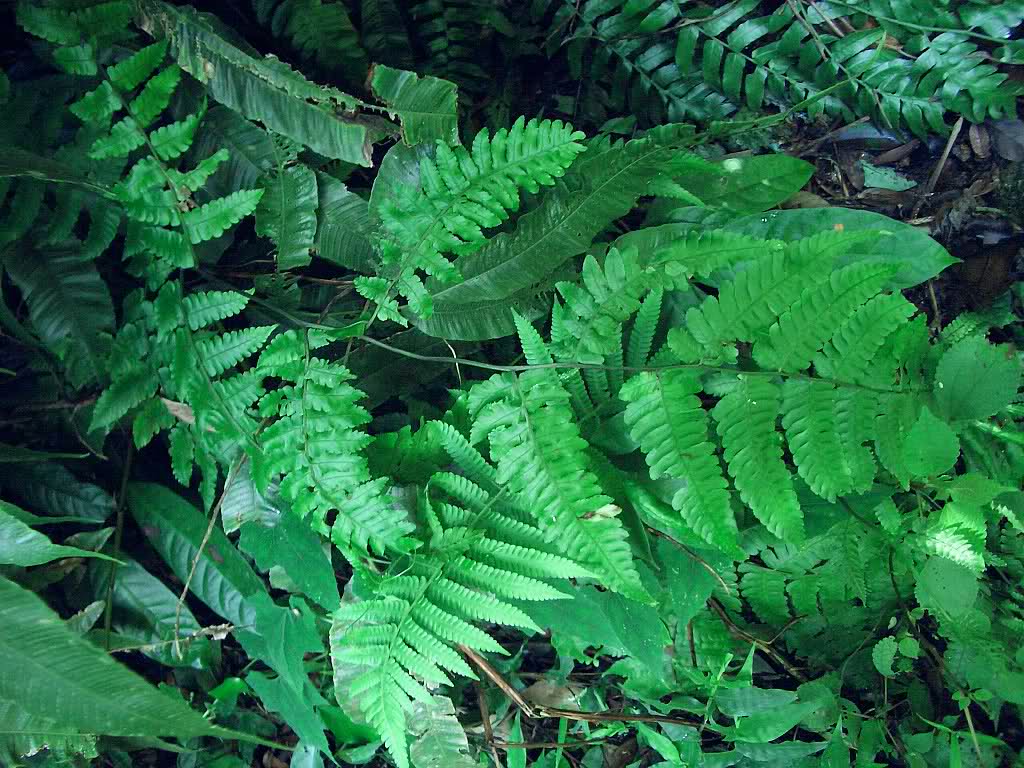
[22, 546]
[266, 89]
[69, 306]
[176, 529]
[54, 674]
[146, 615]
[603, 185]
[344, 231]
[287, 215]
[427, 107]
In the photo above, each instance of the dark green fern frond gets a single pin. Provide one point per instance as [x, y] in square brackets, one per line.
[321, 32]
[667, 64]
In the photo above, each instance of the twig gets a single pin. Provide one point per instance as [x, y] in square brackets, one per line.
[238, 464]
[569, 714]
[763, 646]
[485, 719]
[697, 558]
[929, 187]
[495, 677]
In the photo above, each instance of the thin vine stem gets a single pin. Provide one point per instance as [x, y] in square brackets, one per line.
[625, 368]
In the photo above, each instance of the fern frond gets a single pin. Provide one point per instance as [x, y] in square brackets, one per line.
[128, 74]
[155, 96]
[849, 354]
[315, 444]
[826, 430]
[595, 311]
[407, 634]
[793, 339]
[465, 191]
[170, 141]
[641, 335]
[752, 447]
[667, 419]
[224, 351]
[209, 307]
[287, 215]
[216, 217]
[542, 458]
[321, 32]
[657, 61]
[511, 269]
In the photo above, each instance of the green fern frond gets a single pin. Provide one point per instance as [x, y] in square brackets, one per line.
[595, 311]
[541, 457]
[461, 192]
[216, 217]
[657, 61]
[800, 331]
[668, 421]
[850, 352]
[407, 634]
[826, 430]
[321, 32]
[287, 215]
[209, 307]
[226, 350]
[128, 74]
[155, 96]
[315, 445]
[746, 419]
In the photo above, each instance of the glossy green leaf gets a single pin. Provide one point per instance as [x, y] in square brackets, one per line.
[55, 675]
[223, 579]
[919, 257]
[22, 546]
[266, 90]
[145, 615]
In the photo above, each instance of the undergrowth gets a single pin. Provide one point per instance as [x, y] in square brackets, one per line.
[400, 428]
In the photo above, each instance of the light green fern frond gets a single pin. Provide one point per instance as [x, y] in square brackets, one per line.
[668, 420]
[541, 457]
[476, 567]
[315, 444]
[746, 419]
[462, 192]
[827, 429]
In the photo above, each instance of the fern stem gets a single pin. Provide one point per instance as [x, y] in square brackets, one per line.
[627, 368]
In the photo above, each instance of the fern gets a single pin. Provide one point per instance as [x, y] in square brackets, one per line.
[478, 561]
[314, 445]
[321, 32]
[460, 193]
[668, 421]
[542, 458]
[673, 66]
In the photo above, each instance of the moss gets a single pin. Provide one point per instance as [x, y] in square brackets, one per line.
[1011, 192]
